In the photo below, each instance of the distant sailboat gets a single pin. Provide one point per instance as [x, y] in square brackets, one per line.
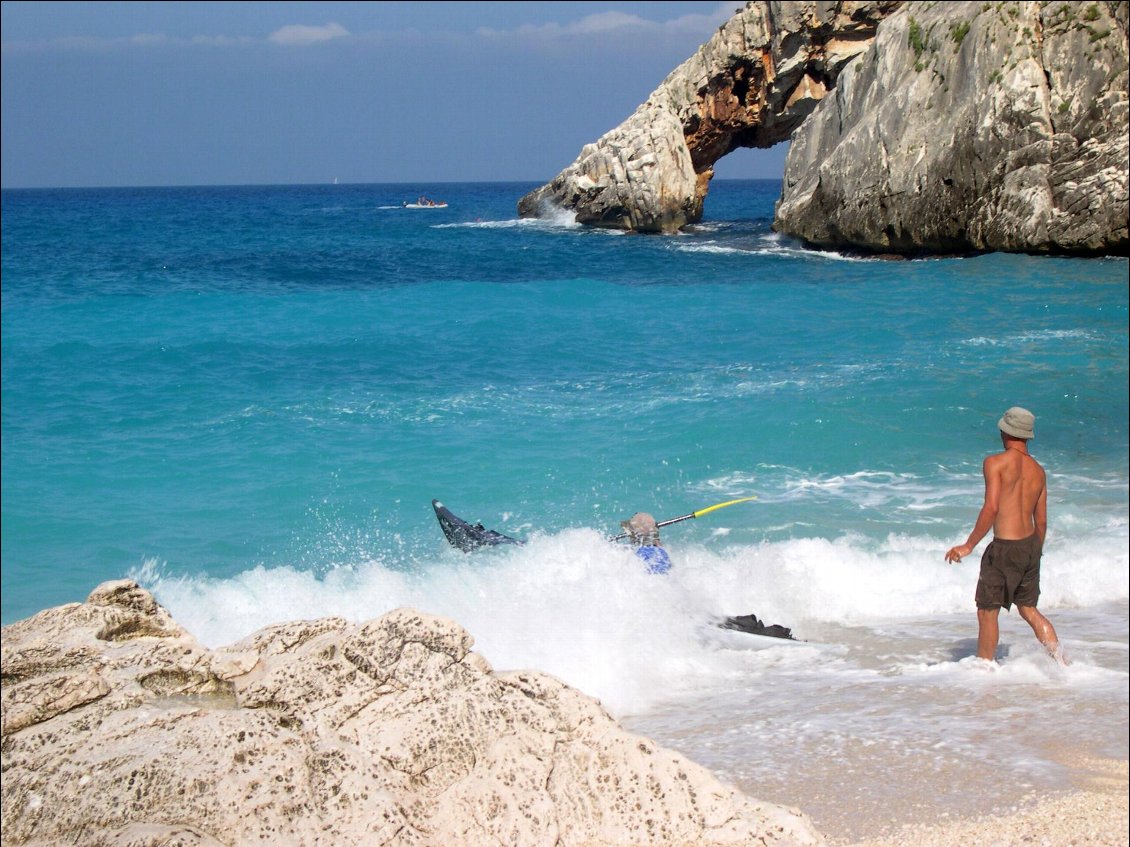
[335, 180]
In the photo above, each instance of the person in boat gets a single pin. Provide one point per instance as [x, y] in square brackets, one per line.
[643, 532]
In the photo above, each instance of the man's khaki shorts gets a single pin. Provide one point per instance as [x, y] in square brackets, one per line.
[1010, 573]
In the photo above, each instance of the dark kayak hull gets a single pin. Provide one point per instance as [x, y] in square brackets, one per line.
[467, 536]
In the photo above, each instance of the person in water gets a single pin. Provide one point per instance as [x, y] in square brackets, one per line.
[643, 532]
[1016, 508]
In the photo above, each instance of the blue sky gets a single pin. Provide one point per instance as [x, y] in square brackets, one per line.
[234, 93]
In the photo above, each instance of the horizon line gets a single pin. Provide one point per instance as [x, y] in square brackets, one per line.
[331, 184]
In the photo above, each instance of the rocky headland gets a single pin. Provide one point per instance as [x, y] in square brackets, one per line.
[119, 728]
[915, 128]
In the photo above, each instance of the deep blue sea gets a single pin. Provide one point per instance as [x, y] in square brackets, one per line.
[247, 397]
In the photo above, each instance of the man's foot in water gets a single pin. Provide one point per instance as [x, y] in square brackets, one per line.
[1055, 651]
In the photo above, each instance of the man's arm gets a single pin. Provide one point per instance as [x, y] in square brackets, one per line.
[1042, 513]
[987, 516]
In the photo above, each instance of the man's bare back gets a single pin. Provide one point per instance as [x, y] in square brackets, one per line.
[1016, 502]
[1022, 506]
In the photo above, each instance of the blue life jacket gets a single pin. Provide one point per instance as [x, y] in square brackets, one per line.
[656, 558]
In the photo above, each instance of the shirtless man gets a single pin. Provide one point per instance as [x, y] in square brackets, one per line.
[1016, 508]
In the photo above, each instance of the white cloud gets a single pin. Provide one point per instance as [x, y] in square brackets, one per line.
[607, 21]
[73, 42]
[298, 35]
[611, 24]
[148, 39]
[141, 40]
[220, 40]
[619, 22]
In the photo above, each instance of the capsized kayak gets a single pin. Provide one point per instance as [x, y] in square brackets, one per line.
[467, 536]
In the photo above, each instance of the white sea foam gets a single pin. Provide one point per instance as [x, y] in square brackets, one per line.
[771, 244]
[709, 248]
[707, 226]
[508, 223]
[573, 605]
[560, 219]
[1030, 337]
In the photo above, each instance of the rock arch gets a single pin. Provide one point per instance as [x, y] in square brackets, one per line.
[963, 127]
[750, 85]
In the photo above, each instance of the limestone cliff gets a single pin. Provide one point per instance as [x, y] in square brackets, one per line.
[971, 126]
[750, 85]
[120, 729]
[915, 128]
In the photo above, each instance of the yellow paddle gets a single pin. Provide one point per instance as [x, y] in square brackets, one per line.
[693, 514]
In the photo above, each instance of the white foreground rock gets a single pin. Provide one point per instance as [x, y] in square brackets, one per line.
[119, 728]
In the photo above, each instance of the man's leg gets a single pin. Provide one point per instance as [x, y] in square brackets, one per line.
[1044, 630]
[988, 633]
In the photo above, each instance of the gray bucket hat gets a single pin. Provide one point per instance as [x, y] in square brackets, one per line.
[1018, 422]
[642, 528]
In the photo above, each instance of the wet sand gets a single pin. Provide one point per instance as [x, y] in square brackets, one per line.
[895, 735]
[1092, 815]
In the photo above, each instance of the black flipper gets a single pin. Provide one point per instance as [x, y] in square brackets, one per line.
[754, 626]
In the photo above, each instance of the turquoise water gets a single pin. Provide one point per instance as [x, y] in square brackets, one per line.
[247, 398]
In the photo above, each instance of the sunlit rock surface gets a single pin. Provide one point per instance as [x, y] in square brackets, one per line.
[971, 126]
[916, 128]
